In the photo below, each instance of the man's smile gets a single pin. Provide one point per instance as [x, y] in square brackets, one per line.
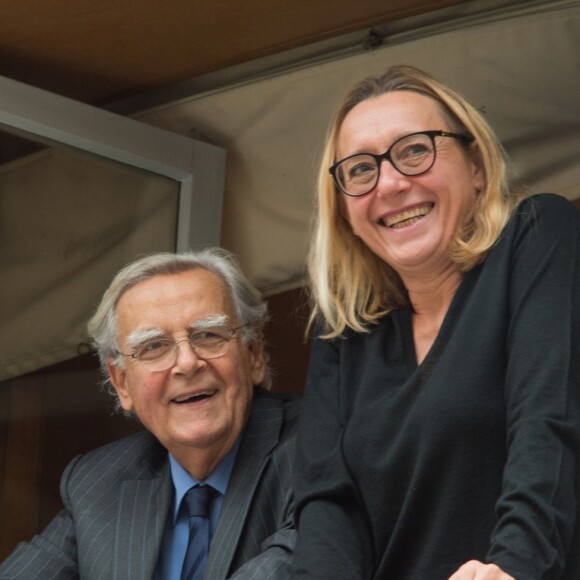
[195, 397]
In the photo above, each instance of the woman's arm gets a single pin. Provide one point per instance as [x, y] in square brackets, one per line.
[333, 537]
[538, 508]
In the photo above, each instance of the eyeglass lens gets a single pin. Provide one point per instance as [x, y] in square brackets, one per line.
[160, 354]
[411, 155]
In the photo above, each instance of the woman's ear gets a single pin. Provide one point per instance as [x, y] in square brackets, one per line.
[478, 169]
[343, 209]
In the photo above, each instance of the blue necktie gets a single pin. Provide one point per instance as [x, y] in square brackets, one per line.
[196, 502]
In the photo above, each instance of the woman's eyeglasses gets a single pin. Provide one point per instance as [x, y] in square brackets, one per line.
[410, 155]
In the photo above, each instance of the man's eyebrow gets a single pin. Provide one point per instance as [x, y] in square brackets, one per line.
[210, 322]
[137, 338]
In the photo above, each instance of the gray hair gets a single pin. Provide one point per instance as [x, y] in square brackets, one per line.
[248, 304]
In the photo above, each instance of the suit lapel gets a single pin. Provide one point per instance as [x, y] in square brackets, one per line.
[143, 505]
[260, 436]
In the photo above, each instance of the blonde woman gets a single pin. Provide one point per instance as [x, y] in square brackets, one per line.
[441, 426]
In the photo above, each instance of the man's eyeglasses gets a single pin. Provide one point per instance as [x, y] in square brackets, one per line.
[410, 155]
[159, 354]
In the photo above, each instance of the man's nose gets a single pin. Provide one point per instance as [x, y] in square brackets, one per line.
[186, 356]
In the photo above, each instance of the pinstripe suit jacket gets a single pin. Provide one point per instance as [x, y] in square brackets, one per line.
[117, 499]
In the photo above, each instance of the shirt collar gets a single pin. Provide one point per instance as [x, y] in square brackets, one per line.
[218, 479]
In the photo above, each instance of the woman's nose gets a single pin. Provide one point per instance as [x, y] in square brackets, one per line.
[390, 181]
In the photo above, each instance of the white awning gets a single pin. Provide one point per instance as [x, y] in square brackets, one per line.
[520, 65]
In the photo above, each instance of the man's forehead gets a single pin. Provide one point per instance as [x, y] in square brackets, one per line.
[201, 280]
[198, 294]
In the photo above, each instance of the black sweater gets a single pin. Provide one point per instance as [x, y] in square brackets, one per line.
[405, 472]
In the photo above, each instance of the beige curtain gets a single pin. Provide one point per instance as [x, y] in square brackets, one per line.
[67, 225]
[521, 67]
[68, 222]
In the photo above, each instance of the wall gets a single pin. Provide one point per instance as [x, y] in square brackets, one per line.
[47, 418]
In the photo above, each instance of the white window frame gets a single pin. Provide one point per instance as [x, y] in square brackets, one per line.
[197, 167]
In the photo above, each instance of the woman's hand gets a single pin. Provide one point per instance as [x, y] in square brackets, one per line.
[475, 570]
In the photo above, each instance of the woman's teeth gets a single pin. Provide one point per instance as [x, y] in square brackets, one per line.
[407, 218]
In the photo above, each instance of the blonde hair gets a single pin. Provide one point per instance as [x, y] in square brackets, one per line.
[350, 286]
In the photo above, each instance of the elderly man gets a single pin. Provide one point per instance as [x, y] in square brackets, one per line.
[204, 492]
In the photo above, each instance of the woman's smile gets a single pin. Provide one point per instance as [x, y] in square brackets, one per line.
[407, 217]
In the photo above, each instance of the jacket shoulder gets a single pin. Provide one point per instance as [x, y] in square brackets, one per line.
[134, 456]
[286, 403]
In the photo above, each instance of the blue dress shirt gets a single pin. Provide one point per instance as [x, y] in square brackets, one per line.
[176, 533]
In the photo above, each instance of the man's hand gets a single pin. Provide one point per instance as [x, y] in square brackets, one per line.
[475, 570]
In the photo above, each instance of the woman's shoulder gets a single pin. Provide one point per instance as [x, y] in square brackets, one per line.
[548, 205]
[544, 214]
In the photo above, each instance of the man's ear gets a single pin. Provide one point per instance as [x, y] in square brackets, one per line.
[118, 378]
[257, 358]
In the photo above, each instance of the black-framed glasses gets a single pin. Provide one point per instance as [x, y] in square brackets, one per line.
[159, 354]
[410, 155]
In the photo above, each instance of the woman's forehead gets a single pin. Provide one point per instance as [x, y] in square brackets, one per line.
[382, 120]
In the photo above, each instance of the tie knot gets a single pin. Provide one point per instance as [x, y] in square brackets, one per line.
[197, 500]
